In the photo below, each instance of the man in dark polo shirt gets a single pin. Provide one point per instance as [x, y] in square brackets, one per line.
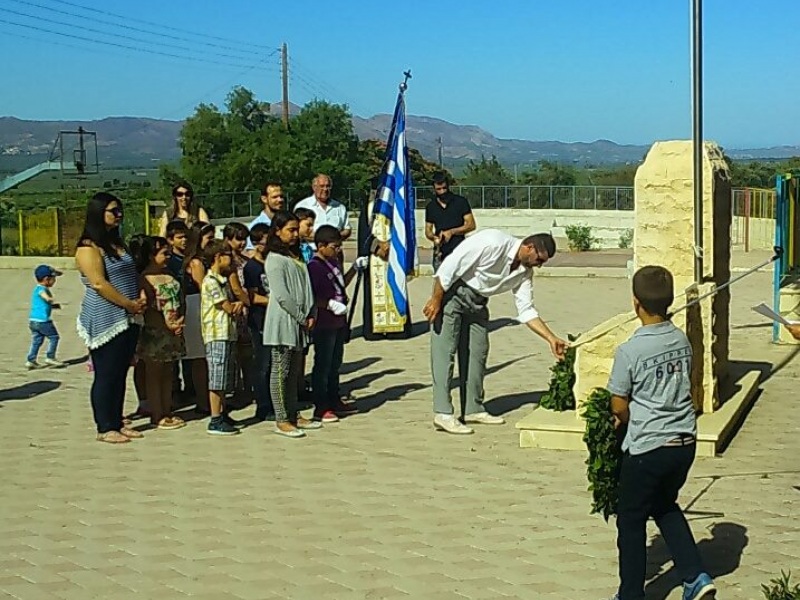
[448, 218]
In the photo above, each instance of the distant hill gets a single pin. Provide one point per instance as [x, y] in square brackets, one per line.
[140, 142]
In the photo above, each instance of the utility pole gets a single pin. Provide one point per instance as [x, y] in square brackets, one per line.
[697, 133]
[285, 78]
[441, 164]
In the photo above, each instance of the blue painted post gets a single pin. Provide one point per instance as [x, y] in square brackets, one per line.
[780, 228]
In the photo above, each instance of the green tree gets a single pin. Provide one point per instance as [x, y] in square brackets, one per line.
[486, 172]
[550, 173]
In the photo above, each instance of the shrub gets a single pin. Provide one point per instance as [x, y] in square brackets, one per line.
[626, 239]
[605, 453]
[780, 588]
[559, 396]
[580, 237]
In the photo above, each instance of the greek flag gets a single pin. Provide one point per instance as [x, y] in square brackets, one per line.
[395, 202]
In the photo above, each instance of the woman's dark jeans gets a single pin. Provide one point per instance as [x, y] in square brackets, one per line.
[111, 362]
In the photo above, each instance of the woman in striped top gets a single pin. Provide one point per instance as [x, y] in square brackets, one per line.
[106, 322]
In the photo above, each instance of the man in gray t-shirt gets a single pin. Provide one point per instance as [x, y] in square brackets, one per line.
[651, 395]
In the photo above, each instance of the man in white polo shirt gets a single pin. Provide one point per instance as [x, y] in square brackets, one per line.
[327, 210]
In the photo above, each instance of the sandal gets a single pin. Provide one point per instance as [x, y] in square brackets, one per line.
[303, 423]
[112, 437]
[169, 423]
[290, 433]
[131, 433]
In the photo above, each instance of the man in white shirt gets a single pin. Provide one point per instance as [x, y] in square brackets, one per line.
[485, 264]
[328, 211]
[273, 201]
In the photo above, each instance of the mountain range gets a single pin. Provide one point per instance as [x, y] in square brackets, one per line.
[141, 142]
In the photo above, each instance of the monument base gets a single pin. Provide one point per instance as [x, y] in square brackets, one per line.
[564, 430]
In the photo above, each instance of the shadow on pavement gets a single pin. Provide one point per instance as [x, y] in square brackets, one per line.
[721, 555]
[357, 365]
[367, 379]
[511, 402]
[378, 399]
[28, 391]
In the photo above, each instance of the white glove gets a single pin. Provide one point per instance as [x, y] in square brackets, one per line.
[337, 308]
[361, 263]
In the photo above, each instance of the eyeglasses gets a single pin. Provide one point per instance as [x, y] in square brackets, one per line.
[116, 211]
[183, 194]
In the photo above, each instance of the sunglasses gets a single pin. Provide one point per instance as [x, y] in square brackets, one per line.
[116, 211]
[183, 194]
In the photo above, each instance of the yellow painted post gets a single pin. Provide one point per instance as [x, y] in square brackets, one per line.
[147, 217]
[20, 219]
[57, 231]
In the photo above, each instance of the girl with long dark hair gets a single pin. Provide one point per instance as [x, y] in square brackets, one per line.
[236, 236]
[107, 323]
[290, 318]
[194, 270]
[161, 339]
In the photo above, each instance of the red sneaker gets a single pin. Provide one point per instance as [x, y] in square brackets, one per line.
[327, 417]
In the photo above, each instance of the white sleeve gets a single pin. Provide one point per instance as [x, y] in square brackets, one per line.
[523, 298]
[345, 219]
[466, 255]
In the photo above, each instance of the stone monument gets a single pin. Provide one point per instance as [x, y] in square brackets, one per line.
[664, 235]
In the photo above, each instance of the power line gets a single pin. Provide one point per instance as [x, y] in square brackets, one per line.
[328, 90]
[152, 24]
[171, 36]
[214, 90]
[115, 35]
[114, 44]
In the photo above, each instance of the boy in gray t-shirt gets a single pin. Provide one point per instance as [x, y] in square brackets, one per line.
[651, 395]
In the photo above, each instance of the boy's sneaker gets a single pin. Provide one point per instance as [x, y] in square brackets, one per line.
[56, 364]
[702, 587]
[230, 420]
[31, 365]
[218, 426]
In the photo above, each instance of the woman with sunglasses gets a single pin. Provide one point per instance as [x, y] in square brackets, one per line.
[107, 322]
[183, 208]
[194, 270]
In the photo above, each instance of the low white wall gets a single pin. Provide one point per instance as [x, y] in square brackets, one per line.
[607, 225]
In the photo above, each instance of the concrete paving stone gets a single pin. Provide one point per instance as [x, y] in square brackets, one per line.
[35, 591]
[378, 505]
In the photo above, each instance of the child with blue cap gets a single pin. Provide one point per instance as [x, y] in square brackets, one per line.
[40, 319]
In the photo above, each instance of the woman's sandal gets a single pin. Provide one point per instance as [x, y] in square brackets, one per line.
[303, 423]
[131, 433]
[112, 437]
[169, 423]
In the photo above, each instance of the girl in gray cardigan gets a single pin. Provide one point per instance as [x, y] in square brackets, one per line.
[290, 318]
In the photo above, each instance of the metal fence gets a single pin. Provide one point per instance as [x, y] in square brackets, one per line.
[753, 224]
[230, 205]
[553, 197]
[54, 231]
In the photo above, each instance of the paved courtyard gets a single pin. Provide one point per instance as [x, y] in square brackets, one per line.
[378, 506]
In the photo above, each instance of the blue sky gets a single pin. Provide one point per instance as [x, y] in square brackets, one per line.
[569, 70]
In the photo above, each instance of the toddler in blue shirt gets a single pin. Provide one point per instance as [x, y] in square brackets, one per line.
[40, 319]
